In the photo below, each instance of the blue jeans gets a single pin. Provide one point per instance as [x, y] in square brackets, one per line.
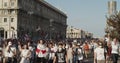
[115, 58]
[74, 59]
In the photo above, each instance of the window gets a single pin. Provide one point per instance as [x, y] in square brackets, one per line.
[12, 11]
[5, 19]
[5, 4]
[12, 3]
[12, 19]
[5, 12]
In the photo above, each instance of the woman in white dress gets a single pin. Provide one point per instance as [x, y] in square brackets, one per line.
[25, 54]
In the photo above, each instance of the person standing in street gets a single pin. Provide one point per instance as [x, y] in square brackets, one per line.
[60, 55]
[10, 52]
[51, 53]
[25, 54]
[109, 50]
[115, 50]
[75, 49]
[70, 53]
[79, 54]
[31, 49]
[41, 52]
[86, 49]
[99, 53]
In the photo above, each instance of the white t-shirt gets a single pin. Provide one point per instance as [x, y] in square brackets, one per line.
[24, 53]
[90, 46]
[80, 56]
[10, 54]
[41, 47]
[55, 48]
[107, 39]
[100, 53]
[115, 48]
[52, 53]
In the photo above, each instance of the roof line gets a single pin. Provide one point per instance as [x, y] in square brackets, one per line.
[49, 5]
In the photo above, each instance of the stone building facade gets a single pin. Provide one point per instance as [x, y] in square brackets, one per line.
[76, 33]
[34, 18]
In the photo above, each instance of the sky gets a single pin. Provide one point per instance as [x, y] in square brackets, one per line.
[88, 15]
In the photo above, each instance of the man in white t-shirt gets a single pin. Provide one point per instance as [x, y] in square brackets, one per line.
[99, 54]
[79, 54]
[10, 52]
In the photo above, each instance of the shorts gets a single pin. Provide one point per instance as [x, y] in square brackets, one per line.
[100, 61]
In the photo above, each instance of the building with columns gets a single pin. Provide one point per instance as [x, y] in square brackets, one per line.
[76, 33]
[73, 33]
[36, 18]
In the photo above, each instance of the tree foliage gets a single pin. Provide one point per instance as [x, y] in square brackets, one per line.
[113, 22]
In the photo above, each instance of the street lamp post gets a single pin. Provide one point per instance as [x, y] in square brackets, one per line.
[51, 20]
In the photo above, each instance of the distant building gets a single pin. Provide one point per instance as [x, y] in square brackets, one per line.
[88, 35]
[75, 33]
[112, 6]
[35, 18]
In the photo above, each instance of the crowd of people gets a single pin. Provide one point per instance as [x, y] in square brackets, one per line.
[43, 51]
